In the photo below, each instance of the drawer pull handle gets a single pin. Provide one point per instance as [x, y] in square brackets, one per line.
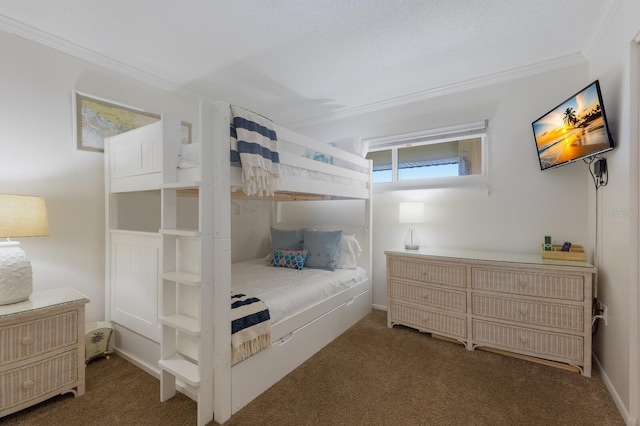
[27, 340]
[523, 311]
[524, 339]
[28, 384]
[523, 283]
[425, 296]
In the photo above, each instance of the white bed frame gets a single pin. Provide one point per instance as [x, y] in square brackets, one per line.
[159, 290]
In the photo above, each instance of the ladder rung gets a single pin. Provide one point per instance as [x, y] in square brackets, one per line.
[181, 185]
[180, 232]
[182, 368]
[183, 278]
[183, 323]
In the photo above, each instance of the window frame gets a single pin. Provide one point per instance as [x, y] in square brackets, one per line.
[428, 137]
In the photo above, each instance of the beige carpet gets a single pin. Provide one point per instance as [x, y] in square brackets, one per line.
[371, 375]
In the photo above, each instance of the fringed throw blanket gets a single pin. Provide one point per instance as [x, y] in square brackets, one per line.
[254, 145]
[250, 326]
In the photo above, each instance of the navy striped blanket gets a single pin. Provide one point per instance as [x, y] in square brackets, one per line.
[254, 146]
[250, 326]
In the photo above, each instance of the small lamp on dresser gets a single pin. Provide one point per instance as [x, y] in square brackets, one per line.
[411, 213]
[20, 216]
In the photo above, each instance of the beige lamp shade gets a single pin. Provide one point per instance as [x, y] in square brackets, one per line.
[22, 216]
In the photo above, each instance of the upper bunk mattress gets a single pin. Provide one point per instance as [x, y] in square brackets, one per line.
[288, 291]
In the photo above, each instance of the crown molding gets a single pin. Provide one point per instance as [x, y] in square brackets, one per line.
[525, 71]
[31, 33]
[11, 26]
[605, 15]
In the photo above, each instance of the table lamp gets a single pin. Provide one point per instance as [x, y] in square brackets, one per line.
[20, 216]
[411, 213]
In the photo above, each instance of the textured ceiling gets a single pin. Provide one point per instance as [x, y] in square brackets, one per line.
[297, 60]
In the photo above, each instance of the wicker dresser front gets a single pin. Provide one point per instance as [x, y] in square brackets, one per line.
[510, 302]
[41, 348]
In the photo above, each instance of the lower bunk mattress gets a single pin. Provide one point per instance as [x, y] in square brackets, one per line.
[289, 291]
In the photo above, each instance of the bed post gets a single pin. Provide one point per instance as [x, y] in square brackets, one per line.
[221, 214]
[368, 214]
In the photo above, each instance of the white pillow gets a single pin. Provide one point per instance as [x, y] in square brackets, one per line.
[350, 251]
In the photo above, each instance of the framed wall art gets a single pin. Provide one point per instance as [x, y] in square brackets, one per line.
[96, 119]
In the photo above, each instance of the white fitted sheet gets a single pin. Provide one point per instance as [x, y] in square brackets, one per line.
[288, 291]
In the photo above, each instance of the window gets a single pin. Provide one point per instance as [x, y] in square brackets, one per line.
[455, 156]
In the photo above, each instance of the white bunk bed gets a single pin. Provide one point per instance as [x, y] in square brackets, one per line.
[172, 287]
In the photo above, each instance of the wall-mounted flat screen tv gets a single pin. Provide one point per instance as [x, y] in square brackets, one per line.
[575, 129]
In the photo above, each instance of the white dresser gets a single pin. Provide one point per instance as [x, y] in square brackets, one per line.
[517, 303]
[41, 348]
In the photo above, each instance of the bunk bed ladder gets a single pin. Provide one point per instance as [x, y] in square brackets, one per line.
[185, 281]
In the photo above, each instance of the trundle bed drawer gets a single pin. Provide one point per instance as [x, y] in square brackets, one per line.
[456, 301]
[426, 320]
[24, 340]
[566, 287]
[435, 273]
[36, 380]
[529, 341]
[566, 317]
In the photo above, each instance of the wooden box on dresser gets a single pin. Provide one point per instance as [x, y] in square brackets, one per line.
[517, 303]
[41, 348]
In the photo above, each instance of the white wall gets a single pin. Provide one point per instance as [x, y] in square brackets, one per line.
[523, 203]
[38, 157]
[617, 214]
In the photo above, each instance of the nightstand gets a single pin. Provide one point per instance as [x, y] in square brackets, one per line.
[41, 348]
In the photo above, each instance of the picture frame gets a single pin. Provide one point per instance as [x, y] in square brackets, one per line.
[96, 119]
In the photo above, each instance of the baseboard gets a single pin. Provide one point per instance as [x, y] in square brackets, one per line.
[628, 420]
[379, 307]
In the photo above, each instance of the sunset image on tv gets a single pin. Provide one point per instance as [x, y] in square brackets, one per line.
[575, 129]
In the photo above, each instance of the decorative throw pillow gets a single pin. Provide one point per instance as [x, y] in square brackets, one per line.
[293, 259]
[323, 249]
[286, 239]
[350, 251]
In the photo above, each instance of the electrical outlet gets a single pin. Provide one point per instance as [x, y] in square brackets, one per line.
[603, 310]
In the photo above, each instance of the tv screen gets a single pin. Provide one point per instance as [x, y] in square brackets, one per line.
[575, 129]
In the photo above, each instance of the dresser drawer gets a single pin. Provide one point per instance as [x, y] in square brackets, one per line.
[544, 344]
[566, 317]
[31, 338]
[39, 379]
[566, 287]
[431, 321]
[455, 301]
[430, 272]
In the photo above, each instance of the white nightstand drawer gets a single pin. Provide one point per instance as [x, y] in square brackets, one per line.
[27, 339]
[426, 320]
[555, 286]
[38, 379]
[455, 301]
[565, 317]
[543, 344]
[435, 273]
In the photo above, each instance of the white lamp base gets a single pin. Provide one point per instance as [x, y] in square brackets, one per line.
[16, 282]
[411, 241]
